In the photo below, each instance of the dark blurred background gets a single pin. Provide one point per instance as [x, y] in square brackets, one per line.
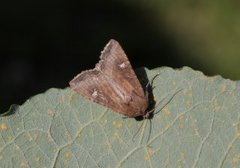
[44, 44]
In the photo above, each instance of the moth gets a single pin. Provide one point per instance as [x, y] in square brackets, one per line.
[113, 83]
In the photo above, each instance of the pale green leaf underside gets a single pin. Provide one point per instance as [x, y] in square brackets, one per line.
[199, 127]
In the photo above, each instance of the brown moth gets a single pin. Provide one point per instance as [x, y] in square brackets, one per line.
[113, 83]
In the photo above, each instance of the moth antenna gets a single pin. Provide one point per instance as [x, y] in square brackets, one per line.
[152, 110]
[150, 130]
[137, 131]
[149, 90]
[147, 115]
[154, 78]
[167, 101]
[150, 83]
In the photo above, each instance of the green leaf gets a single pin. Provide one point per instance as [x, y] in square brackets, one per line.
[197, 124]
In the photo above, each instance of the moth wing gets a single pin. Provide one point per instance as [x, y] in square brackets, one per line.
[113, 83]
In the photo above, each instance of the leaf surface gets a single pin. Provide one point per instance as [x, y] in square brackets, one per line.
[196, 125]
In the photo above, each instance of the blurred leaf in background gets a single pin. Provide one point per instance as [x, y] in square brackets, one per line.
[207, 31]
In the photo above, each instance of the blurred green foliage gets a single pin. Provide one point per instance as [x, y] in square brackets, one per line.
[208, 31]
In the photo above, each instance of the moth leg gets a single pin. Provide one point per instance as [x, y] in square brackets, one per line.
[150, 83]
[168, 101]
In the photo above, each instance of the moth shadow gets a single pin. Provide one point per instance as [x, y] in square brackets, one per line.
[147, 86]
